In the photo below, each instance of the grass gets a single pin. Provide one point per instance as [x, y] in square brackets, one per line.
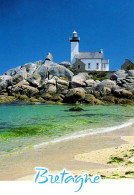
[99, 78]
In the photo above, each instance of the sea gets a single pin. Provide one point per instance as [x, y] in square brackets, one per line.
[32, 126]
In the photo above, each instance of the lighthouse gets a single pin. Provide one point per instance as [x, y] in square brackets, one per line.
[74, 46]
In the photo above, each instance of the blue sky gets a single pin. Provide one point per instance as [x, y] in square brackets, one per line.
[29, 29]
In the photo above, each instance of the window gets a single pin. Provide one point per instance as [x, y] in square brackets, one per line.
[104, 66]
[89, 65]
[78, 66]
[97, 65]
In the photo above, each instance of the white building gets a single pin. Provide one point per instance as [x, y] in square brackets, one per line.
[87, 61]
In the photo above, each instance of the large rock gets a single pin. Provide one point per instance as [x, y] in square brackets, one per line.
[122, 93]
[106, 91]
[24, 89]
[62, 82]
[90, 99]
[49, 57]
[90, 83]
[45, 95]
[79, 80]
[105, 83]
[75, 94]
[118, 75]
[5, 81]
[49, 88]
[66, 64]
[13, 71]
[50, 68]
[108, 99]
[35, 80]
[61, 86]
[131, 73]
[31, 68]
[4, 99]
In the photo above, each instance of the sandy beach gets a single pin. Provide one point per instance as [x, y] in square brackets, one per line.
[109, 154]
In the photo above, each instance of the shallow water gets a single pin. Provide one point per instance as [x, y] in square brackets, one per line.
[28, 125]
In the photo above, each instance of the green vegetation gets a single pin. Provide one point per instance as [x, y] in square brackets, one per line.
[99, 76]
[37, 130]
[76, 108]
[122, 176]
[116, 175]
[131, 150]
[71, 69]
[102, 176]
[129, 173]
[115, 159]
[27, 69]
[125, 155]
[64, 78]
[129, 162]
[130, 67]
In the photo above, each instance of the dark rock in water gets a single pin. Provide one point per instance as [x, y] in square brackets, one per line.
[76, 108]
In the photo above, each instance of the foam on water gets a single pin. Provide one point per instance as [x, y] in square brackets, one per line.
[87, 132]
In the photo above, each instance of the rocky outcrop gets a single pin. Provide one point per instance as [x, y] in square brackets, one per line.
[50, 82]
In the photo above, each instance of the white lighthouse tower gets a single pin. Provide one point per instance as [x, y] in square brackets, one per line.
[74, 46]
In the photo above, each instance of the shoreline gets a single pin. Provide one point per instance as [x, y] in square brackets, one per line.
[63, 155]
[84, 133]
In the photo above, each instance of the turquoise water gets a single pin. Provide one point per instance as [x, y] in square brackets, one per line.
[28, 125]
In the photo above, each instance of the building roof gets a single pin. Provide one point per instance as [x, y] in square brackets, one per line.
[126, 63]
[89, 55]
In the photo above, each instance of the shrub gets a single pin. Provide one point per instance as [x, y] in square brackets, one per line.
[130, 67]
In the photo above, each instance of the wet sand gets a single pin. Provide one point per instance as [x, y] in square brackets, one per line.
[77, 155]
